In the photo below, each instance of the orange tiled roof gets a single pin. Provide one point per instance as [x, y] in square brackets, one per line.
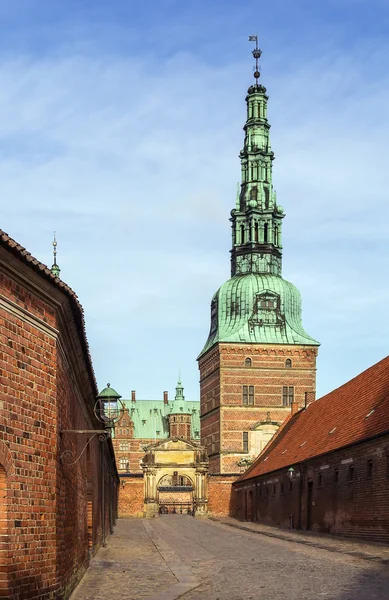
[356, 411]
[78, 312]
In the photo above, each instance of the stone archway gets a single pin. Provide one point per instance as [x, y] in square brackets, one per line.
[175, 461]
[175, 494]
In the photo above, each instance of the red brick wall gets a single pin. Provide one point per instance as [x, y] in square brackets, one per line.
[131, 497]
[223, 374]
[179, 426]
[45, 387]
[357, 507]
[220, 498]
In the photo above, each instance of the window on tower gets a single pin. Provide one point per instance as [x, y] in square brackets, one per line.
[287, 395]
[288, 363]
[245, 438]
[213, 316]
[248, 394]
[248, 362]
[256, 232]
[265, 232]
[267, 310]
[276, 236]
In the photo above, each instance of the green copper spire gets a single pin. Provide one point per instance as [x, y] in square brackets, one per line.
[179, 405]
[55, 268]
[257, 306]
[256, 220]
[179, 390]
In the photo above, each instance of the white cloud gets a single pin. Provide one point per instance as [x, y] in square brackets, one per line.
[136, 169]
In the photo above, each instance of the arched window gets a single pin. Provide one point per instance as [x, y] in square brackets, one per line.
[288, 363]
[248, 362]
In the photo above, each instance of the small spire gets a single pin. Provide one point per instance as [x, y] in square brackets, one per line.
[55, 268]
[179, 388]
[257, 55]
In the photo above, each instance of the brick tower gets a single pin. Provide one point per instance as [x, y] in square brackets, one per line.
[257, 360]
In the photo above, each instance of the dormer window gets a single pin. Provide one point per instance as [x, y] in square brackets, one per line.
[213, 316]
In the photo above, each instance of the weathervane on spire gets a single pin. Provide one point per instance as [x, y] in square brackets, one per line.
[55, 268]
[257, 55]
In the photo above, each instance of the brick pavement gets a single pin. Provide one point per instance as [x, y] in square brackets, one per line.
[176, 556]
[121, 571]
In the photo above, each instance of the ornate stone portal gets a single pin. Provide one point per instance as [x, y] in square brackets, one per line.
[175, 478]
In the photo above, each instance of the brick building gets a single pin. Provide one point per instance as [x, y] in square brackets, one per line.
[327, 469]
[258, 359]
[51, 479]
[144, 426]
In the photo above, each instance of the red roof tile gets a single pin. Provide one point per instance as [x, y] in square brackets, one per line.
[78, 312]
[356, 411]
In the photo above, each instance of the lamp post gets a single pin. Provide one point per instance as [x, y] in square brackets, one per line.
[108, 410]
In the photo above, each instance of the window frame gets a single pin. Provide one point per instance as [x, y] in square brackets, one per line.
[245, 441]
[245, 395]
[287, 395]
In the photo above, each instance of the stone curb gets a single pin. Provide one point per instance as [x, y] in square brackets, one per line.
[186, 580]
[295, 539]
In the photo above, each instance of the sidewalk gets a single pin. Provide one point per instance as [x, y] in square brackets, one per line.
[366, 550]
[129, 568]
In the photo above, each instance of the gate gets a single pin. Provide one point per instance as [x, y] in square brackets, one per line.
[175, 495]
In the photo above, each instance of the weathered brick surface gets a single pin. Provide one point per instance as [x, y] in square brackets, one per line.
[223, 373]
[45, 387]
[340, 505]
[220, 496]
[131, 496]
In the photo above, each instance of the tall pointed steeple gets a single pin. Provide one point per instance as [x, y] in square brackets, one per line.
[55, 268]
[257, 219]
[258, 360]
[257, 305]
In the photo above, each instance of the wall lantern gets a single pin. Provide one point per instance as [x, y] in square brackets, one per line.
[108, 408]
[291, 473]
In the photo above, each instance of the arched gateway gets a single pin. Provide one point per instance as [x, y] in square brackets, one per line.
[175, 478]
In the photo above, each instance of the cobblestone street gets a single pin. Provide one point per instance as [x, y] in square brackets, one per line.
[177, 556]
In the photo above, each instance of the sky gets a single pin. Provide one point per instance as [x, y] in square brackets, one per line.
[120, 129]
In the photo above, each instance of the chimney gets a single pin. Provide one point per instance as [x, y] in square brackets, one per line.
[165, 398]
[309, 397]
[133, 398]
[294, 406]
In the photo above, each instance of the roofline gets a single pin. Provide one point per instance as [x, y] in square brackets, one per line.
[43, 270]
[316, 345]
[301, 462]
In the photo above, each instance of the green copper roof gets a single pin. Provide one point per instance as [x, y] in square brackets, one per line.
[257, 309]
[257, 306]
[179, 405]
[108, 392]
[150, 417]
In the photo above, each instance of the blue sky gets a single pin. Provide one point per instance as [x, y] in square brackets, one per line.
[120, 128]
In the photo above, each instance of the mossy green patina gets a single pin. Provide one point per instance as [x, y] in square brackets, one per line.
[257, 306]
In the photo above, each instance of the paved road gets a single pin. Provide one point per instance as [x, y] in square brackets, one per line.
[199, 559]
